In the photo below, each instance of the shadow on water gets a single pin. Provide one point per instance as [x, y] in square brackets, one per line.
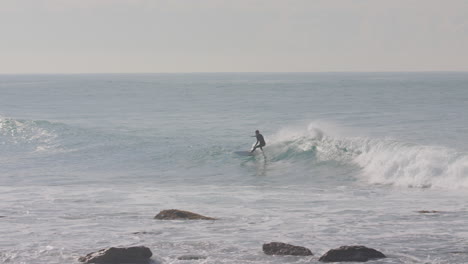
[260, 162]
[262, 165]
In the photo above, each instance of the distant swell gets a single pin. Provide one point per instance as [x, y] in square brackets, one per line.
[386, 162]
[27, 135]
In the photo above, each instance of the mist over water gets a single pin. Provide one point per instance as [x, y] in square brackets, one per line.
[88, 160]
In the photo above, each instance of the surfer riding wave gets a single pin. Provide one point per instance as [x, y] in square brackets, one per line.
[260, 141]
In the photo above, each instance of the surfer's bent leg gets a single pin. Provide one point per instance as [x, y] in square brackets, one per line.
[258, 146]
[254, 148]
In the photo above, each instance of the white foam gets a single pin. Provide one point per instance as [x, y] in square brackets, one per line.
[383, 161]
[26, 134]
[396, 163]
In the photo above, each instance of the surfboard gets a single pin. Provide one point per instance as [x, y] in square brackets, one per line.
[246, 153]
[243, 153]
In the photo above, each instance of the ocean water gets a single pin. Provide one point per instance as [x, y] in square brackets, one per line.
[87, 161]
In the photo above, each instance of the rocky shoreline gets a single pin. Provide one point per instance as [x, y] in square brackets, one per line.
[143, 255]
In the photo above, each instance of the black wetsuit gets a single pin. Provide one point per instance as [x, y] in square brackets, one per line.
[260, 141]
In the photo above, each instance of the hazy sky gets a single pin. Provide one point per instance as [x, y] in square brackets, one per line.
[79, 36]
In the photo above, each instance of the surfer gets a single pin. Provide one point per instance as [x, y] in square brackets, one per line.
[260, 141]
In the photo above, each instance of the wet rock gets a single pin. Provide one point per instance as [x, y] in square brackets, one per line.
[174, 214]
[136, 255]
[458, 252]
[191, 257]
[351, 253]
[147, 233]
[278, 248]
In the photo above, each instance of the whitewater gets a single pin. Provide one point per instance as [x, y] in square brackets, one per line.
[373, 159]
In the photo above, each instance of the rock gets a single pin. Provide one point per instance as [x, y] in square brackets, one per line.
[191, 257]
[458, 252]
[351, 253]
[147, 233]
[278, 248]
[427, 212]
[174, 214]
[114, 255]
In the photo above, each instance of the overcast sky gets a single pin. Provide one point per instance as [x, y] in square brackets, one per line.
[100, 36]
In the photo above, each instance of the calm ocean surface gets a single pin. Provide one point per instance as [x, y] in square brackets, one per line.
[87, 161]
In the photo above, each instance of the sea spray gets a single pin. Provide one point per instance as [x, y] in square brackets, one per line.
[402, 164]
[382, 161]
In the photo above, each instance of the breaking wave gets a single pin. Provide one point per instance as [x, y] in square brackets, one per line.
[27, 135]
[382, 161]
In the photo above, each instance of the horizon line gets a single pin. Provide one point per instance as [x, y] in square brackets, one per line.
[231, 72]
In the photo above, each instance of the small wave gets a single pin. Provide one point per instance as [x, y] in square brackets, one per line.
[386, 162]
[34, 136]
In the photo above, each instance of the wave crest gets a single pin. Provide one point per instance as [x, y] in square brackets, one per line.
[387, 162]
[400, 164]
[26, 134]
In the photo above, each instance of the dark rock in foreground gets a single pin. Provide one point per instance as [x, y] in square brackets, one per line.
[278, 248]
[428, 212]
[174, 214]
[140, 255]
[191, 257]
[351, 253]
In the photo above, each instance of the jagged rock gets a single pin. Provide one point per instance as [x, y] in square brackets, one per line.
[191, 257]
[278, 248]
[351, 253]
[174, 214]
[140, 255]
